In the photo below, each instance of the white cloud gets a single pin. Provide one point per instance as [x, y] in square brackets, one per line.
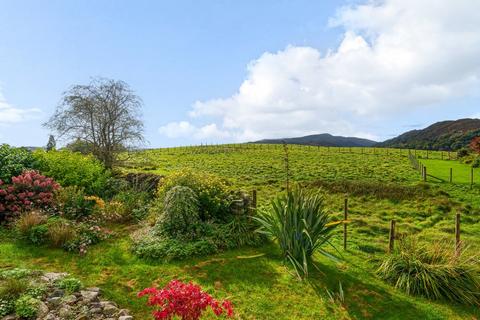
[395, 56]
[11, 115]
[186, 129]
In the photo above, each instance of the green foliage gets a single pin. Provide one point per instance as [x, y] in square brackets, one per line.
[70, 284]
[301, 225]
[135, 204]
[73, 169]
[6, 307]
[13, 161]
[12, 288]
[72, 202]
[60, 232]
[433, 272]
[179, 215]
[16, 273]
[171, 249]
[212, 192]
[26, 307]
[38, 235]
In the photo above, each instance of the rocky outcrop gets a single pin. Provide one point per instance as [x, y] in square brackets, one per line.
[83, 304]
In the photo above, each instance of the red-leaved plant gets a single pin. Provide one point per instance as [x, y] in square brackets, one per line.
[26, 191]
[185, 300]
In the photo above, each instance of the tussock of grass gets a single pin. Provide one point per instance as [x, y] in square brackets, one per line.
[433, 272]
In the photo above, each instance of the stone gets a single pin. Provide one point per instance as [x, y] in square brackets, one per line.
[89, 295]
[9, 317]
[57, 293]
[55, 301]
[110, 310]
[96, 310]
[71, 299]
[53, 276]
[125, 318]
[64, 312]
[93, 289]
[42, 310]
[122, 312]
[50, 316]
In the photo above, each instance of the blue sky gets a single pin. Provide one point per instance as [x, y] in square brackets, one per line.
[224, 71]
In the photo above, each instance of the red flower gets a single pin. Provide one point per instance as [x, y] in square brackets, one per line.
[185, 300]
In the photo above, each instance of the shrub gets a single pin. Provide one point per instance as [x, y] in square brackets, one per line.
[72, 203]
[26, 307]
[12, 289]
[71, 168]
[432, 272]
[16, 273]
[184, 300]
[86, 235]
[60, 232]
[27, 191]
[6, 307]
[28, 221]
[13, 161]
[301, 226]
[70, 284]
[212, 193]
[155, 248]
[180, 214]
[127, 205]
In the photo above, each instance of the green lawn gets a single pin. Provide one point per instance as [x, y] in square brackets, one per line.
[461, 173]
[262, 287]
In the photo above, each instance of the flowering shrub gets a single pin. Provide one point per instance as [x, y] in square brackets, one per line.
[185, 300]
[27, 191]
[73, 169]
[212, 192]
[87, 235]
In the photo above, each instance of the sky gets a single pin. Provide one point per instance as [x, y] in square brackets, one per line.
[235, 71]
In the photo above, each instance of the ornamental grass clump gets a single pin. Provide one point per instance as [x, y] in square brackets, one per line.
[433, 272]
[300, 224]
[184, 300]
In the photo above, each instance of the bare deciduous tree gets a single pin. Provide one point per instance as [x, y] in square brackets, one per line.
[105, 114]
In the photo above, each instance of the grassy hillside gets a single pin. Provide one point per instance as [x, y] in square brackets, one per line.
[444, 135]
[381, 185]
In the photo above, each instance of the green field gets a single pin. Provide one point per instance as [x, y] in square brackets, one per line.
[461, 173]
[380, 184]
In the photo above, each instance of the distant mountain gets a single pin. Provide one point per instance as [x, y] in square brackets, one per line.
[444, 135]
[325, 139]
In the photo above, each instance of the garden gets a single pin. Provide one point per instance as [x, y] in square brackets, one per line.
[100, 229]
[195, 233]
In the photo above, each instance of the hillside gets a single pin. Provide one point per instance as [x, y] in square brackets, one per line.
[325, 140]
[444, 135]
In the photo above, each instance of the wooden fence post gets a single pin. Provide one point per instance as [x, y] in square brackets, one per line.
[345, 218]
[254, 202]
[424, 174]
[458, 244]
[391, 240]
[451, 175]
[471, 177]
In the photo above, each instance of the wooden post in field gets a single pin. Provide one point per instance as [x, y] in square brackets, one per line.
[451, 175]
[253, 205]
[424, 174]
[471, 177]
[458, 244]
[345, 218]
[441, 152]
[449, 158]
[427, 154]
[391, 239]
